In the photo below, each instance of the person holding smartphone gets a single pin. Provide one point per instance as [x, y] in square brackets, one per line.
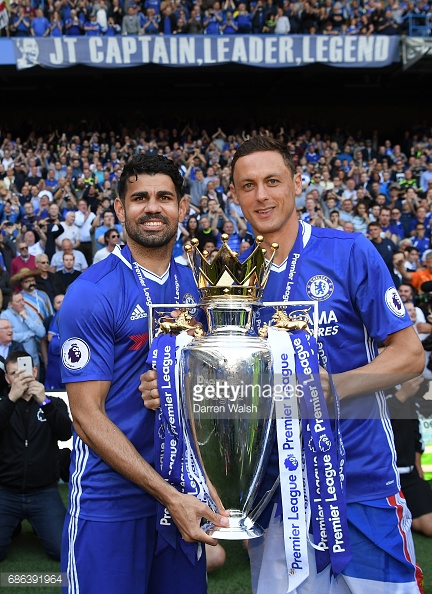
[30, 426]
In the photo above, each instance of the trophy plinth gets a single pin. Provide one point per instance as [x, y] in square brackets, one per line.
[241, 527]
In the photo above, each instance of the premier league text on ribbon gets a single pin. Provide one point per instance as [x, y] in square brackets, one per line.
[294, 509]
[291, 460]
[327, 510]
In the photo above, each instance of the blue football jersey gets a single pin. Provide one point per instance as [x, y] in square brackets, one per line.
[358, 307]
[104, 334]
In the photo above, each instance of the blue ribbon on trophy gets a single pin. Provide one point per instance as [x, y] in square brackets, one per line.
[177, 463]
[320, 495]
[327, 495]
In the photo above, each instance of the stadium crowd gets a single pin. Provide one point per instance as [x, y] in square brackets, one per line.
[57, 192]
[43, 18]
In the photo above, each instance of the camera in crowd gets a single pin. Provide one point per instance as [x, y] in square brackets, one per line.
[423, 300]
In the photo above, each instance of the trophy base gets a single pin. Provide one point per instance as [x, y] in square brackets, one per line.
[241, 527]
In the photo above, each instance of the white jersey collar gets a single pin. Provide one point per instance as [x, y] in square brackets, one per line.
[147, 273]
[306, 231]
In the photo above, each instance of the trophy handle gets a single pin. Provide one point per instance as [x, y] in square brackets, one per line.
[172, 324]
[306, 304]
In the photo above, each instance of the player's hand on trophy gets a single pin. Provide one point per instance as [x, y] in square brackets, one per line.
[187, 512]
[148, 389]
[148, 385]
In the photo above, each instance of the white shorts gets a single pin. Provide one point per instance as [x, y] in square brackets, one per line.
[383, 555]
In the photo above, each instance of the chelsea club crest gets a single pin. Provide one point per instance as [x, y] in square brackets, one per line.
[188, 299]
[320, 287]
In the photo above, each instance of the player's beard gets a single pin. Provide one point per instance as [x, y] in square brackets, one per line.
[151, 239]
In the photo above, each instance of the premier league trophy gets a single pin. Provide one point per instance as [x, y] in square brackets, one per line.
[225, 386]
[234, 390]
[224, 375]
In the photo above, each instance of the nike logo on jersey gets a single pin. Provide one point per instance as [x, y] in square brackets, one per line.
[139, 340]
[138, 313]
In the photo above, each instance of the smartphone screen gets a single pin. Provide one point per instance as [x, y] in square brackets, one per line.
[25, 363]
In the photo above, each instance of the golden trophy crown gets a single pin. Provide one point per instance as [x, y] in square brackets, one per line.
[225, 276]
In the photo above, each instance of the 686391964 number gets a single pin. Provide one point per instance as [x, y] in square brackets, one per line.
[33, 579]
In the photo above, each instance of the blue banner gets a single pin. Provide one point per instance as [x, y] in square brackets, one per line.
[266, 51]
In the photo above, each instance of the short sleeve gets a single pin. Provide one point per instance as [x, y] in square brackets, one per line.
[86, 325]
[373, 292]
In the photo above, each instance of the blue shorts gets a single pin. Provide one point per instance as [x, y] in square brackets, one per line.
[117, 557]
[381, 541]
[383, 558]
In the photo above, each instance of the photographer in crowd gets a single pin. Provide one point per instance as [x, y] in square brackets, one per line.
[30, 425]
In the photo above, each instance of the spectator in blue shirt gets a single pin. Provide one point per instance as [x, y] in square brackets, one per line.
[56, 25]
[152, 4]
[229, 26]
[92, 27]
[74, 25]
[21, 23]
[112, 28]
[65, 11]
[419, 240]
[212, 22]
[150, 23]
[182, 5]
[40, 26]
[353, 27]
[312, 156]
[244, 19]
[346, 154]
[235, 238]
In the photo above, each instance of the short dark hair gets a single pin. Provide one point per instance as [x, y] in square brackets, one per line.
[149, 165]
[107, 235]
[260, 144]
[374, 224]
[13, 357]
[407, 284]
